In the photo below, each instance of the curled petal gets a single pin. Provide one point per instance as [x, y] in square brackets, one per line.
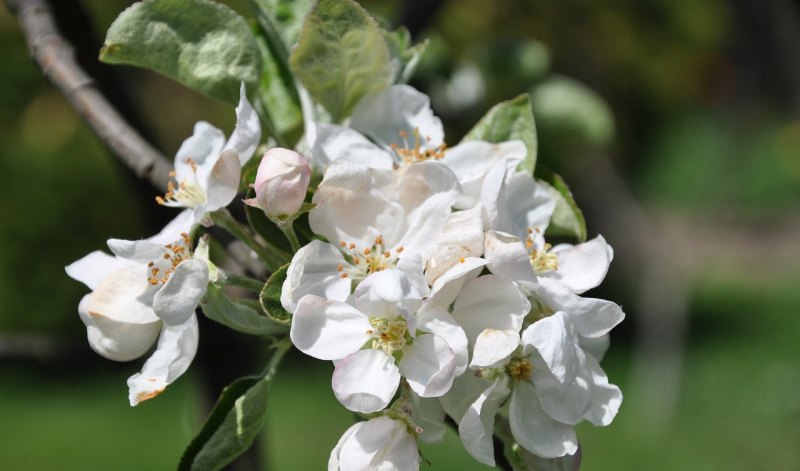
[429, 365]
[245, 136]
[493, 346]
[315, 269]
[365, 381]
[591, 317]
[223, 182]
[388, 294]
[117, 339]
[534, 429]
[328, 330]
[476, 428]
[490, 302]
[508, 257]
[198, 154]
[436, 320]
[472, 160]
[582, 267]
[94, 267]
[177, 300]
[555, 340]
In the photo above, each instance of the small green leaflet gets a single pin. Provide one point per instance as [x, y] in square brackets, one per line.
[404, 57]
[341, 56]
[270, 297]
[217, 307]
[508, 120]
[567, 219]
[203, 44]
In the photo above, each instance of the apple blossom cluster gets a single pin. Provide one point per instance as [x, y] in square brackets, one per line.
[426, 279]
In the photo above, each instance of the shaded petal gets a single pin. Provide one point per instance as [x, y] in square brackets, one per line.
[476, 428]
[338, 142]
[494, 346]
[436, 320]
[335, 460]
[412, 267]
[315, 270]
[328, 330]
[582, 267]
[530, 205]
[429, 365]
[247, 133]
[365, 381]
[534, 429]
[565, 402]
[446, 288]
[489, 302]
[223, 182]
[606, 398]
[508, 257]
[555, 340]
[117, 339]
[471, 161]
[494, 198]
[202, 149]
[94, 267]
[597, 347]
[388, 294]
[177, 300]
[428, 414]
[379, 444]
[400, 108]
[591, 317]
[176, 348]
[460, 237]
[465, 390]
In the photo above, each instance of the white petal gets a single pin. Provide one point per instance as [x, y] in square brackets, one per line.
[118, 297]
[365, 381]
[591, 317]
[94, 267]
[494, 198]
[489, 302]
[554, 338]
[606, 398]
[335, 459]
[530, 204]
[338, 142]
[582, 267]
[436, 320]
[117, 339]
[494, 346]
[383, 115]
[152, 248]
[534, 429]
[472, 160]
[175, 352]
[476, 428]
[315, 270]
[461, 237]
[413, 269]
[429, 365]
[448, 285]
[388, 294]
[380, 444]
[597, 347]
[245, 136]
[223, 182]
[177, 300]
[465, 390]
[428, 414]
[202, 149]
[566, 402]
[508, 257]
[328, 330]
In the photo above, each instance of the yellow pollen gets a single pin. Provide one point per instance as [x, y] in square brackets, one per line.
[413, 153]
[343, 275]
[461, 260]
[340, 267]
[519, 368]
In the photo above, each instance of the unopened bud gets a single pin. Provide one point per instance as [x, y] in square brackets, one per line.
[281, 182]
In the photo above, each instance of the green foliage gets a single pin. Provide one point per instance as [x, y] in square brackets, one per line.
[218, 307]
[282, 19]
[237, 418]
[404, 56]
[567, 219]
[341, 56]
[270, 297]
[204, 45]
[512, 119]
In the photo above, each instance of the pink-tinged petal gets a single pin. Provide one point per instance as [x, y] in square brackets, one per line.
[315, 270]
[388, 294]
[446, 288]
[428, 414]
[555, 340]
[494, 346]
[436, 320]
[198, 154]
[223, 182]
[94, 267]
[400, 108]
[530, 204]
[582, 267]
[606, 398]
[177, 300]
[476, 428]
[534, 429]
[328, 330]
[176, 348]
[591, 317]
[489, 302]
[566, 402]
[247, 133]
[428, 365]
[365, 381]
[471, 161]
[338, 142]
[508, 257]
[118, 339]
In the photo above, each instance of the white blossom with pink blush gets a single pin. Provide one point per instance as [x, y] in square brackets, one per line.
[281, 183]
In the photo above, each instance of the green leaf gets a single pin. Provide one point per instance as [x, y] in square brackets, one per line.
[341, 56]
[217, 307]
[204, 45]
[267, 229]
[277, 93]
[403, 56]
[283, 18]
[270, 297]
[567, 219]
[508, 120]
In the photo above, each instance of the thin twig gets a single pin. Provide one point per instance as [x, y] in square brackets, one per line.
[56, 58]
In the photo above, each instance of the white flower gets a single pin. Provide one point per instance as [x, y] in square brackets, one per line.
[379, 339]
[150, 289]
[207, 168]
[281, 182]
[381, 443]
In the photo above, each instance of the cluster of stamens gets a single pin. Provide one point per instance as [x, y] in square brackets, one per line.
[369, 260]
[542, 260]
[409, 154]
[159, 272]
[519, 368]
[186, 193]
[389, 336]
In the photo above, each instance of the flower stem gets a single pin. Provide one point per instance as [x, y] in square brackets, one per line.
[225, 220]
[288, 230]
[281, 347]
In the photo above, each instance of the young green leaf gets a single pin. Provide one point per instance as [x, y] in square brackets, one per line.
[270, 297]
[217, 307]
[507, 120]
[404, 57]
[341, 56]
[283, 18]
[567, 219]
[203, 44]
[276, 91]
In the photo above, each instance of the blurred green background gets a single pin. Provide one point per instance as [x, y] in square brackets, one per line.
[676, 124]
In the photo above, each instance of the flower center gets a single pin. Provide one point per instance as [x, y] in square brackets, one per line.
[389, 336]
[542, 260]
[369, 260]
[519, 369]
[160, 270]
[410, 154]
[188, 193]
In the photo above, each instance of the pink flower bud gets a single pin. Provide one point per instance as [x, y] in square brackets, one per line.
[281, 182]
